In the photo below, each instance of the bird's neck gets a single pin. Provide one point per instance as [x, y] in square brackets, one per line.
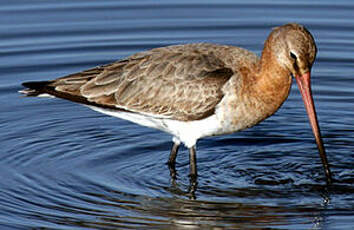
[272, 83]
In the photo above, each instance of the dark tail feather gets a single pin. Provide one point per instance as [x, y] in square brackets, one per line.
[35, 88]
[46, 89]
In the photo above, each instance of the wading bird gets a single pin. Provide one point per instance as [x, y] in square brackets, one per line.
[193, 91]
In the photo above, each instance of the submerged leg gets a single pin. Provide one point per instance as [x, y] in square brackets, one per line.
[192, 164]
[192, 172]
[172, 160]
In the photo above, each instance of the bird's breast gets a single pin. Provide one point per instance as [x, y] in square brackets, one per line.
[246, 106]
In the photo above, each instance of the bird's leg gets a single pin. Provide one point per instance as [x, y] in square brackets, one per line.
[172, 160]
[192, 171]
[192, 165]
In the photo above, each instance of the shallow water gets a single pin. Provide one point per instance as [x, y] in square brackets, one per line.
[64, 166]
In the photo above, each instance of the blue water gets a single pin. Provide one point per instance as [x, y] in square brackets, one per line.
[64, 166]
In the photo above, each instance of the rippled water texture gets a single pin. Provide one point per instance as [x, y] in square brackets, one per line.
[64, 166]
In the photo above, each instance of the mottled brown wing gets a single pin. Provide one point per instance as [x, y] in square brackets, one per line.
[180, 82]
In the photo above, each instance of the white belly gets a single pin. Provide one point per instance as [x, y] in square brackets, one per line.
[187, 132]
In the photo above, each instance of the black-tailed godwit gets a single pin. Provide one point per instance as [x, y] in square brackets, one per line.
[197, 90]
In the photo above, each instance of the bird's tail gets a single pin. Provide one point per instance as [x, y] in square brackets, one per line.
[35, 88]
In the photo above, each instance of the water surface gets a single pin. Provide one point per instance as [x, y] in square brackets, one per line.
[64, 166]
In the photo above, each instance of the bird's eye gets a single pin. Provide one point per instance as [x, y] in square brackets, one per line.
[292, 55]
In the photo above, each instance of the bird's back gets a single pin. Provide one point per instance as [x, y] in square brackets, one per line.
[182, 82]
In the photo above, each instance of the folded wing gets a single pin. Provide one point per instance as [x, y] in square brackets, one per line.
[181, 82]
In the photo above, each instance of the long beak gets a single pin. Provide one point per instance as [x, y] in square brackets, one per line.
[304, 83]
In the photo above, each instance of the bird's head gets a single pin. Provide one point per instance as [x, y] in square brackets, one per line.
[293, 48]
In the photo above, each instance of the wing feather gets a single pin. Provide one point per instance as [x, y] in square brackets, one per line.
[181, 82]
